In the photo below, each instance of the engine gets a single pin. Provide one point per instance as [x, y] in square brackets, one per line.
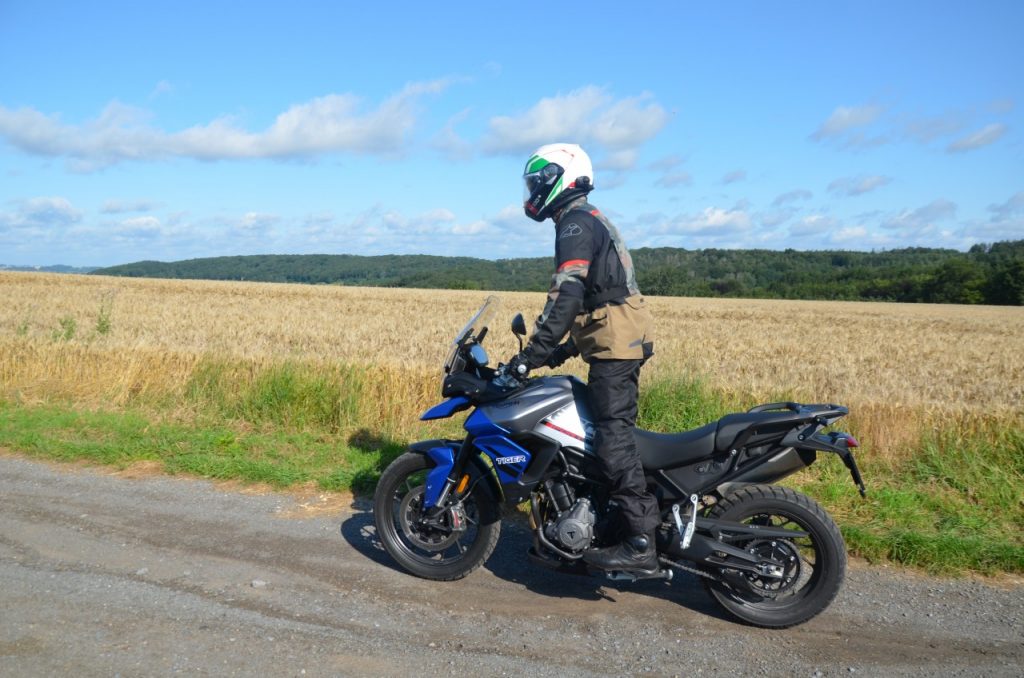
[574, 529]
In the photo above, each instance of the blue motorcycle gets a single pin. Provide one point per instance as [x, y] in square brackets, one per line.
[768, 555]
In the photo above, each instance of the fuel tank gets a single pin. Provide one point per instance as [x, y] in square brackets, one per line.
[555, 408]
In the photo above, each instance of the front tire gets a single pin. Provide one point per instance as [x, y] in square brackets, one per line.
[817, 563]
[432, 551]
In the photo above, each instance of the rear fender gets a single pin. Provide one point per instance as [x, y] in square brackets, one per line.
[835, 442]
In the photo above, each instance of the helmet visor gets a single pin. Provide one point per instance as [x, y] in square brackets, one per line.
[546, 176]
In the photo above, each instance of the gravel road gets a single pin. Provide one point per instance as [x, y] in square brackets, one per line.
[107, 574]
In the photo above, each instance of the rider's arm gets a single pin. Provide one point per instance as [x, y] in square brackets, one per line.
[573, 253]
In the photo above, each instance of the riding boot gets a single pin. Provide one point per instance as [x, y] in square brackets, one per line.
[636, 553]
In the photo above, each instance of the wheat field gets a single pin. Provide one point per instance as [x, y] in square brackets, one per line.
[323, 384]
[898, 366]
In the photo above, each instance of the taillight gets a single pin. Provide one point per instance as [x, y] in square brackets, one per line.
[851, 441]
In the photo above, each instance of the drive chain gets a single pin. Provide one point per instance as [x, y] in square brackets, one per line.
[687, 568]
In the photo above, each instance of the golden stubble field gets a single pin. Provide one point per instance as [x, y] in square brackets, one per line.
[898, 361]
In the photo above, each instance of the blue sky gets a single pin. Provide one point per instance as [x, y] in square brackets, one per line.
[173, 130]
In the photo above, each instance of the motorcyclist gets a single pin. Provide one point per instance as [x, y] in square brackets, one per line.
[595, 299]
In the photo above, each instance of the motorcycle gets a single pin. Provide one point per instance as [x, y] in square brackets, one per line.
[770, 556]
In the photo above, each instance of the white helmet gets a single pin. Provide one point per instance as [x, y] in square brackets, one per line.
[554, 175]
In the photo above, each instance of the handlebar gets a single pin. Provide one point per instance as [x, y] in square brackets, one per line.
[504, 379]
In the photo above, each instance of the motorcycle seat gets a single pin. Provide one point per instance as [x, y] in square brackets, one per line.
[666, 450]
[731, 426]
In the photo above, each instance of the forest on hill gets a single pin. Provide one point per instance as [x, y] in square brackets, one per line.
[985, 274]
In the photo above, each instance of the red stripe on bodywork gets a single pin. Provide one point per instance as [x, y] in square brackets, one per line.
[562, 430]
[574, 262]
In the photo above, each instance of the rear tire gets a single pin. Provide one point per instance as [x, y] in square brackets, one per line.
[422, 550]
[818, 560]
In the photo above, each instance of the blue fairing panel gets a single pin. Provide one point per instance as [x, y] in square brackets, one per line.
[478, 424]
[444, 458]
[509, 459]
[446, 409]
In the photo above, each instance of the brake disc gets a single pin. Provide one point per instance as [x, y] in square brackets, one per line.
[426, 537]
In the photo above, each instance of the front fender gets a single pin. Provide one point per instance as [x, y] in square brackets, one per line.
[442, 453]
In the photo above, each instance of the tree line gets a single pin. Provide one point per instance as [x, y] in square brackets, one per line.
[985, 274]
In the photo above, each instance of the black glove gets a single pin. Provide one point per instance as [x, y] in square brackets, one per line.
[518, 366]
[562, 353]
[558, 356]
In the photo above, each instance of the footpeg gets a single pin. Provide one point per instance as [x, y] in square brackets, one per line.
[686, 532]
[619, 575]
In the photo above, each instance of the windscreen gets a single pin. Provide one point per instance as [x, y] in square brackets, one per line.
[475, 330]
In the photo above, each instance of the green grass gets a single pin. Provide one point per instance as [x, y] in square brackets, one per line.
[279, 457]
[289, 395]
[952, 502]
[955, 502]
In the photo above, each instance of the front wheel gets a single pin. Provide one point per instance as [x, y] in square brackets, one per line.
[814, 565]
[443, 547]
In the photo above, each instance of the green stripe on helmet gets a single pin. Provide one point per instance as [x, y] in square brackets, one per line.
[535, 163]
[555, 190]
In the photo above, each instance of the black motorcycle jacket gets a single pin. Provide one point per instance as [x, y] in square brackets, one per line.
[593, 269]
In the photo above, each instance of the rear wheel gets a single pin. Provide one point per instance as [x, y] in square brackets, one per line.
[813, 566]
[443, 547]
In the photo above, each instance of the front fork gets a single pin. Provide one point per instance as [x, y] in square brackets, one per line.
[449, 475]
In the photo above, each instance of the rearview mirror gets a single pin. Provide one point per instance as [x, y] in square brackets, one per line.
[519, 325]
[519, 328]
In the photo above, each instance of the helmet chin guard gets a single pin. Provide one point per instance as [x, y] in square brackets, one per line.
[554, 175]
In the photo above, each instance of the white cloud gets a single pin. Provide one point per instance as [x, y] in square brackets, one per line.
[852, 186]
[449, 142]
[40, 214]
[845, 118]
[850, 234]
[847, 124]
[792, 196]
[122, 206]
[435, 231]
[921, 224]
[163, 87]
[1012, 207]
[712, 221]
[1006, 222]
[773, 218]
[255, 223]
[139, 228]
[589, 116]
[988, 134]
[814, 224]
[336, 123]
[473, 228]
